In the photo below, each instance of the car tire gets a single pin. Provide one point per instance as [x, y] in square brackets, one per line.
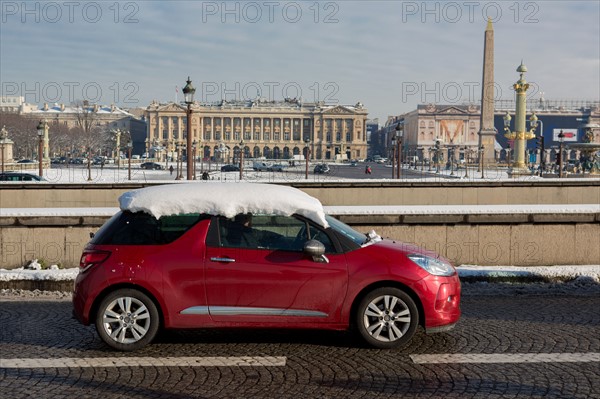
[387, 318]
[127, 320]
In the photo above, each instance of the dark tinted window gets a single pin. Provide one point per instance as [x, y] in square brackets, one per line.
[282, 233]
[126, 228]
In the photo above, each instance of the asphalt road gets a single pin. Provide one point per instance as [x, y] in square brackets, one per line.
[507, 346]
[297, 173]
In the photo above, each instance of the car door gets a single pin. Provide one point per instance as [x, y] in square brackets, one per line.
[259, 274]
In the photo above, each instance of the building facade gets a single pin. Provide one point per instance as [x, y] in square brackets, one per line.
[456, 129]
[268, 129]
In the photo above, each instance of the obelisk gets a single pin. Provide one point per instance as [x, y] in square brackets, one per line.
[487, 132]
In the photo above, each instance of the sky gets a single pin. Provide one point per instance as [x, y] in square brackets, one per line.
[388, 55]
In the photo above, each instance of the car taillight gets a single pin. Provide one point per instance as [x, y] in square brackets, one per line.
[91, 258]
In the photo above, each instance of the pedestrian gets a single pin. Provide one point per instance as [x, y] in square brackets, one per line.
[171, 170]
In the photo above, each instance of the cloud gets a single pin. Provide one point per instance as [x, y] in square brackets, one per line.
[368, 50]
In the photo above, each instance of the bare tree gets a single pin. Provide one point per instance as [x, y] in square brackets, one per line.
[22, 131]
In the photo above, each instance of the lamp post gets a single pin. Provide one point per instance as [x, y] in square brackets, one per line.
[520, 135]
[179, 162]
[3, 136]
[194, 144]
[451, 157]
[399, 134]
[118, 143]
[533, 122]
[241, 159]
[40, 132]
[394, 157]
[306, 156]
[129, 148]
[430, 158]
[437, 156]
[561, 138]
[481, 150]
[188, 95]
[46, 142]
[466, 155]
[89, 163]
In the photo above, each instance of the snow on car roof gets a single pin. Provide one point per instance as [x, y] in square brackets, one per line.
[227, 199]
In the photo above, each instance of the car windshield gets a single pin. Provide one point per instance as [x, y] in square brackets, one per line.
[343, 228]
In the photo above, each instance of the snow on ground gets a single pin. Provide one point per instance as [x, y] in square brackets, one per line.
[562, 273]
[46, 275]
[112, 174]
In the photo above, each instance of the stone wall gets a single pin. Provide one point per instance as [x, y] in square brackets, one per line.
[520, 239]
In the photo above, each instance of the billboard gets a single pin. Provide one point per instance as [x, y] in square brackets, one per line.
[569, 134]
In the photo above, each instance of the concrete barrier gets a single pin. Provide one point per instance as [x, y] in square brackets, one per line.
[405, 192]
[530, 237]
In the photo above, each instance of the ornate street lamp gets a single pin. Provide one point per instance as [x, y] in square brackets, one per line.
[188, 95]
[399, 134]
[41, 128]
[561, 138]
[129, 148]
[520, 135]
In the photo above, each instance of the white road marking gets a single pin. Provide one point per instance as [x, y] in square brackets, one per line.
[507, 358]
[66, 362]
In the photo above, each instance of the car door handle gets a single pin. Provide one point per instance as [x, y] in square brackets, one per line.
[226, 260]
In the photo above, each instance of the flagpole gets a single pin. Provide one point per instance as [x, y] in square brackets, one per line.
[176, 91]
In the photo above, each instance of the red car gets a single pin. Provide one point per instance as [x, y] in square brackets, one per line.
[210, 255]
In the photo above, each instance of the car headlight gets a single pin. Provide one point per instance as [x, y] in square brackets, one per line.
[434, 266]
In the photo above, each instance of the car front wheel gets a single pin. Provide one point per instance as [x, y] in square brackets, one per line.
[127, 320]
[387, 318]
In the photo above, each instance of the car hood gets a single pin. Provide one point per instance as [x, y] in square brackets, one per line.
[393, 248]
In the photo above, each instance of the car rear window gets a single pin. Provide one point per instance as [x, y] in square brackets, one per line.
[127, 228]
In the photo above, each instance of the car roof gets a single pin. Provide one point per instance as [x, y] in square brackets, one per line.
[223, 198]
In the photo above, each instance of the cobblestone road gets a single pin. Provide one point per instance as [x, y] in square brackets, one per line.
[316, 364]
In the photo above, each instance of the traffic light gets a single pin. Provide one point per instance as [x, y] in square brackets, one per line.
[558, 156]
[539, 142]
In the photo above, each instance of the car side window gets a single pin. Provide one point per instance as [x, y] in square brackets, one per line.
[140, 228]
[272, 232]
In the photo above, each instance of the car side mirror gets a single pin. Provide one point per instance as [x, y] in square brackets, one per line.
[316, 250]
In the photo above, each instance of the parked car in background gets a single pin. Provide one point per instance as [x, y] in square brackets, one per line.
[20, 176]
[25, 161]
[250, 255]
[230, 168]
[322, 168]
[151, 165]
